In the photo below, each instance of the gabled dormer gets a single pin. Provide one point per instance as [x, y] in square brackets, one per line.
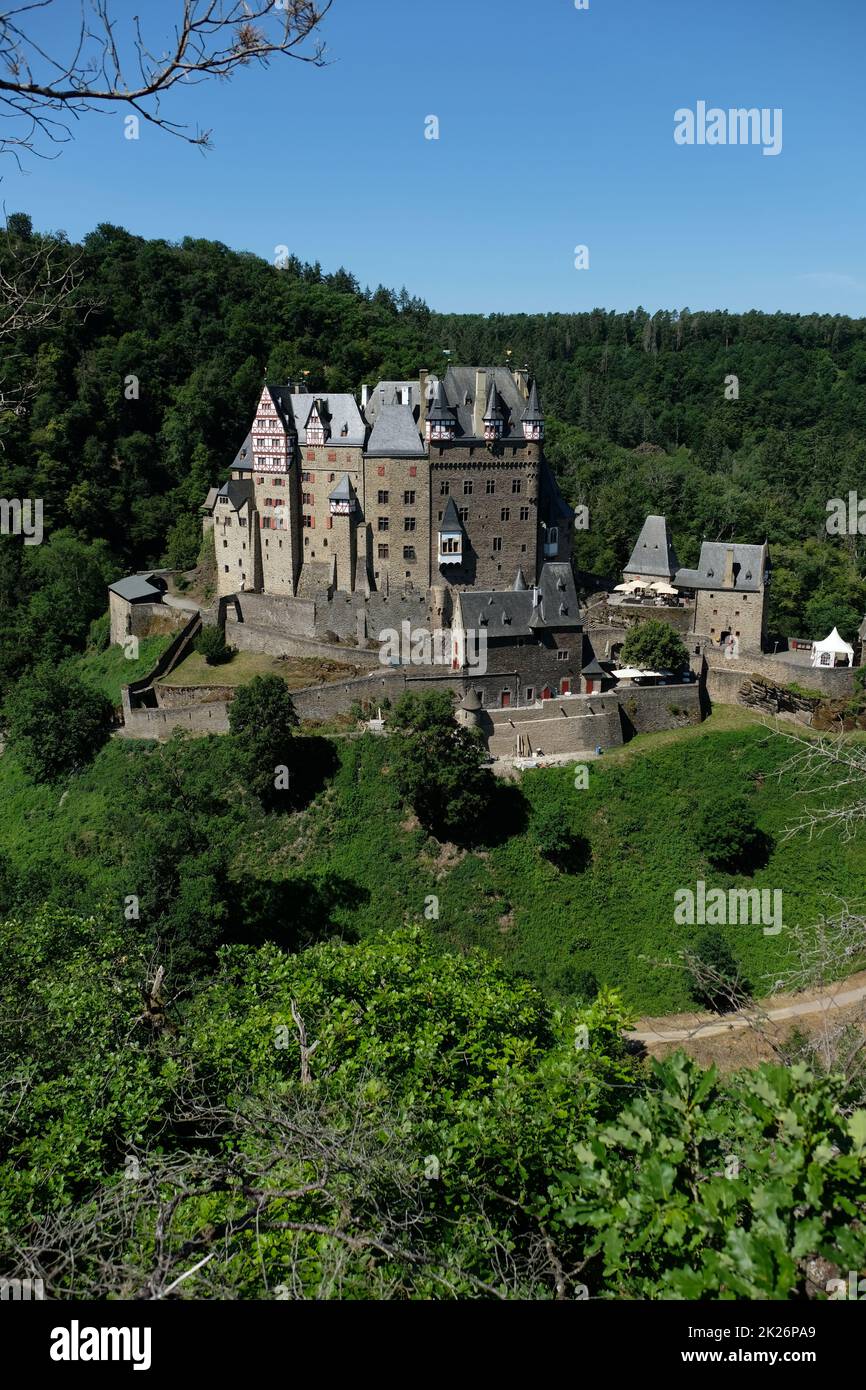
[318, 425]
[533, 419]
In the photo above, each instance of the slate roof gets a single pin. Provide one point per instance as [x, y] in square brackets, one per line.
[750, 562]
[395, 434]
[343, 492]
[342, 409]
[237, 490]
[450, 518]
[459, 383]
[522, 612]
[533, 409]
[385, 394]
[137, 588]
[654, 553]
[440, 409]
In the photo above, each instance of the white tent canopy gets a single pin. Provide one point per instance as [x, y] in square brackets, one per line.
[662, 587]
[630, 587]
[827, 653]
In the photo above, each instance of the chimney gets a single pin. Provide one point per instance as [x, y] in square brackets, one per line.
[729, 568]
[480, 403]
[422, 384]
[365, 396]
[521, 381]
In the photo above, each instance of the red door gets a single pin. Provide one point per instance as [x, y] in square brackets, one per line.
[506, 699]
[565, 688]
[547, 693]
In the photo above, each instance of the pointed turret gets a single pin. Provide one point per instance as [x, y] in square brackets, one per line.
[519, 584]
[533, 417]
[494, 415]
[441, 420]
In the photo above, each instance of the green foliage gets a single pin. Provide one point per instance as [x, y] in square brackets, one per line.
[55, 723]
[728, 834]
[716, 981]
[439, 772]
[211, 643]
[183, 543]
[419, 713]
[263, 720]
[654, 646]
[99, 633]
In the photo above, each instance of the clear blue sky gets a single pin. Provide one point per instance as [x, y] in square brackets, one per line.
[556, 129]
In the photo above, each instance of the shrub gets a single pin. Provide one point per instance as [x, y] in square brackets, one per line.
[716, 981]
[212, 645]
[729, 836]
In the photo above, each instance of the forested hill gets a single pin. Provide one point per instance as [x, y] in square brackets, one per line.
[638, 417]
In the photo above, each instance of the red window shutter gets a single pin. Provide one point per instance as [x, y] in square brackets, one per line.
[413, 472]
[312, 523]
[311, 457]
[381, 470]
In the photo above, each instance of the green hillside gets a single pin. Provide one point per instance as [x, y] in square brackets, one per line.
[369, 867]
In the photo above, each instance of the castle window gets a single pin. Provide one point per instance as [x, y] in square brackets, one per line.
[382, 524]
[490, 486]
[384, 552]
[505, 514]
[524, 513]
[383, 499]
[467, 487]
[463, 513]
[308, 523]
[226, 568]
[408, 523]
[408, 499]
[444, 488]
[225, 545]
[497, 543]
[516, 485]
[409, 552]
[562, 656]
[530, 694]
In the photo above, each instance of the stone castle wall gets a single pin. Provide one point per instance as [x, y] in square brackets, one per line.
[725, 676]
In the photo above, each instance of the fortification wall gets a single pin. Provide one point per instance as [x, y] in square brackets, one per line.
[725, 677]
[558, 726]
[161, 723]
[649, 709]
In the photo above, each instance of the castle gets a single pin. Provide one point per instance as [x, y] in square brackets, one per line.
[435, 484]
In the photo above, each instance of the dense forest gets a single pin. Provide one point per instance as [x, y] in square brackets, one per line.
[135, 401]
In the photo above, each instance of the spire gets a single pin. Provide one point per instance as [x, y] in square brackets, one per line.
[519, 583]
[450, 518]
[533, 411]
[441, 410]
[494, 410]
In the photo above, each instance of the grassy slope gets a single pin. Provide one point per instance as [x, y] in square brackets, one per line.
[638, 815]
[109, 670]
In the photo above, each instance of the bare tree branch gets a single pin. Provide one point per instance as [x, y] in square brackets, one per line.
[42, 94]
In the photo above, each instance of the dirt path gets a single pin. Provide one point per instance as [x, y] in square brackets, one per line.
[777, 1009]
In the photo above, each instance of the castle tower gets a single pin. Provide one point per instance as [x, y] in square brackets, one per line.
[533, 418]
